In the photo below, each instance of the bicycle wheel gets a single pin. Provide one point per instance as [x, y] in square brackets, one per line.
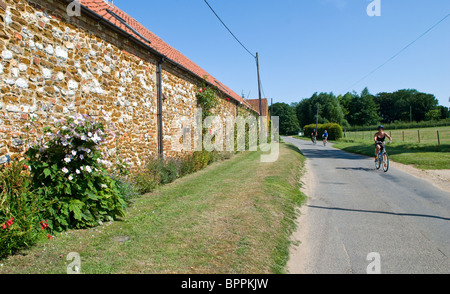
[385, 162]
[378, 162]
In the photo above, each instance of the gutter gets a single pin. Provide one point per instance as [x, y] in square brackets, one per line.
[160, 108]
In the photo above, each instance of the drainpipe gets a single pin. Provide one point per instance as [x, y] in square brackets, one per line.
[160, 108]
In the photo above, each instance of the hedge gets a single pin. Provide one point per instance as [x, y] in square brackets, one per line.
[334, 130]
[402, 125]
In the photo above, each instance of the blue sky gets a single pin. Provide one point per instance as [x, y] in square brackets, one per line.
[308, 46]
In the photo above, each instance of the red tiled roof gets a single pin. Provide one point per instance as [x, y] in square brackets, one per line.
[101, 8]
[254, 103]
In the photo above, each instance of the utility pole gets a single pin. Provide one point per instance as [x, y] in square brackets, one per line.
[317, 118]
[410, 113]
[271, 107]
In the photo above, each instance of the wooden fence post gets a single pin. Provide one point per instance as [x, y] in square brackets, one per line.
[439, 139]
[418, 135]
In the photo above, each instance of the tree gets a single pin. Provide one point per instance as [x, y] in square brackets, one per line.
[360, 110]
[400, 105]
[288, 120]
[330, 110]
[445, 112]
[438, 113]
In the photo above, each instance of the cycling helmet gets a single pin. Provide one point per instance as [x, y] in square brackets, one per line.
[380, 127]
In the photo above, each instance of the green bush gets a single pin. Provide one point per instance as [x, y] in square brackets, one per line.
[69, 173]
[19, 210]
[159, 172]
[144, 181]
[166, 171]
[334, 130]
[127, 189]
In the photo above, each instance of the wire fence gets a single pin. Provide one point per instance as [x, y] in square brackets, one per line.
[432, 136]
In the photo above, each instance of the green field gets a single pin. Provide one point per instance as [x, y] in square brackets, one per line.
[426, 135]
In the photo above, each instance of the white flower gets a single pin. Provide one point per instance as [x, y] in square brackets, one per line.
[65, 170]
[103, 186]
[82, 168]
[88, 169]
[96, 139]
[78, 171]
[67, 160]
[70, 178]
[74, 153]
[90, 135]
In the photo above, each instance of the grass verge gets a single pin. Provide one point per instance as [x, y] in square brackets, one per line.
[423, 156]
[235, 216]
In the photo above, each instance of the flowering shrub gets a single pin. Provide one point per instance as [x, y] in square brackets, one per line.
[19, 210]
[69, 172]
[207, 100]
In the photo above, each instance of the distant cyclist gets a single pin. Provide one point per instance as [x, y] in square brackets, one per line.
[325, 137]
[314, 136]
[379, 138]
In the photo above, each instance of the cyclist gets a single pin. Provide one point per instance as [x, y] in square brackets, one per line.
[314, 136]
[379, 138]
[325, 137]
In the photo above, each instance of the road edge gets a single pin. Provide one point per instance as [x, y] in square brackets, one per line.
[300, 249]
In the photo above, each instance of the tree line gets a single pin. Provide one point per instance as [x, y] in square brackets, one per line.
[365, 109]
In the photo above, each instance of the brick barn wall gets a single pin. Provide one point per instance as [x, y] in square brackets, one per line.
[52, 66]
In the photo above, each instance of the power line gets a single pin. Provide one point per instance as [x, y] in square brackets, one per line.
[253, 55]
[398, 53]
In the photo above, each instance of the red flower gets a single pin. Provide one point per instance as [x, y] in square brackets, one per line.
[25, 167]
[228, 99]
[4, 227]
[9, 222]
[49, 236]
[44, 224]
[200, 90]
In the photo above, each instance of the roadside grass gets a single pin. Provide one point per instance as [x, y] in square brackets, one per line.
[423, 156]
[234, 217]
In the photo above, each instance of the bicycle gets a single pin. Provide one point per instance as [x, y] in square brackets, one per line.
[383, 158]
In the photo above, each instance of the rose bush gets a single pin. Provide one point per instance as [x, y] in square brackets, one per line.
[19, 210]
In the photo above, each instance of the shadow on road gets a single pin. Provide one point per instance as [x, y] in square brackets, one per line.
[379, 212]
[357, 169]
[329, 153]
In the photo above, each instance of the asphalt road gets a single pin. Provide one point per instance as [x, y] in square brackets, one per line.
[355, 210]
